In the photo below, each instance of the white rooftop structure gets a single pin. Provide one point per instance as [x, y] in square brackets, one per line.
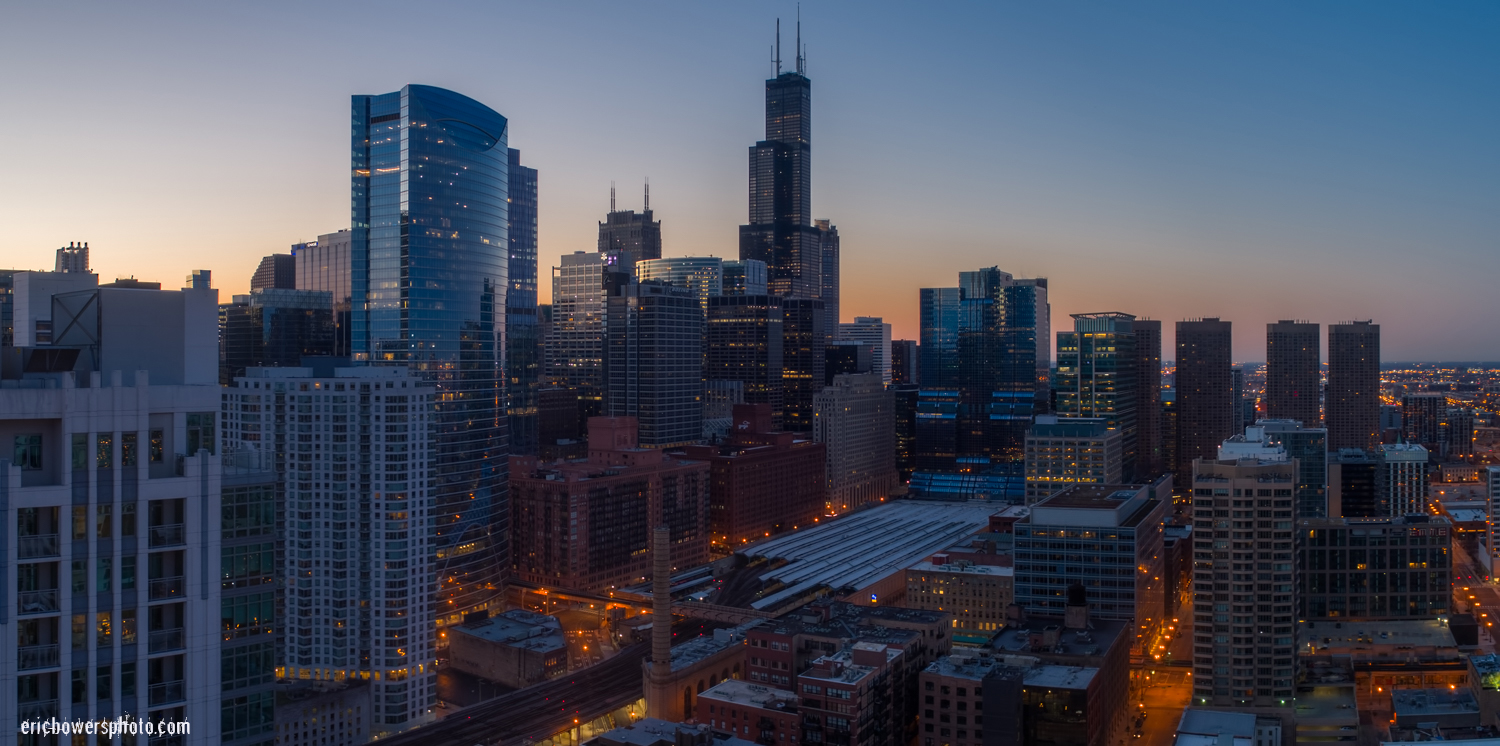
[864, 547]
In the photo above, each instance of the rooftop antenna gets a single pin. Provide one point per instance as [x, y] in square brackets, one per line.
[778, 46]
[648, 194]
[611, 196]
[800, 68]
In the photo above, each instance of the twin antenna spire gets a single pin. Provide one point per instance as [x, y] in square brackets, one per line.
[801, 50]
[646, 206]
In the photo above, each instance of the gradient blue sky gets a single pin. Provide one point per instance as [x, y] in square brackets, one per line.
[1322, 161]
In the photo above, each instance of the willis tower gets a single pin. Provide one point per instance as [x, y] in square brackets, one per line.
[801, 256]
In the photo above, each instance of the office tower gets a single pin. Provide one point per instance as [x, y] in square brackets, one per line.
[803, 360]
[762, 481]
[628, 234]
[940, 310]
[1205, 402]
[1456, 433]
[73, 258]
[906, 396]
[703, 276]
[523, 340]
[1079, 535]
[1294, 372]
[429, 285]
[560, 431]
[1063, 451]
[1396, 567]
[856, 422]
[743, 342]
[1004, 363]
[1096, 377]
[873, 331]
[903, 361]
[844, 358]
[1309, 446]
[653, 362]
[1353, 484]
[1421, 419]
[745, 277]
[274, 328]
[325, 265]
[586, 525]
[1150, 461]
[937, 430]
[112, 481]
[575, 342]
[1245, 649]
[1402, 485]
[275, 271]
[781, 232]
[1352, 399]
[350, 613]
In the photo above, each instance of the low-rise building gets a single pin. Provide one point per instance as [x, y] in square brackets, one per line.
[657, 732]
[751, 711]
[1443, 708]
[517, 648]
[1200, 727]
[324, 713]
[952, 691]
[975, 593]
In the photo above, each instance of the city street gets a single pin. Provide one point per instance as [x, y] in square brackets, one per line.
[1164, 698]
[1471, 592]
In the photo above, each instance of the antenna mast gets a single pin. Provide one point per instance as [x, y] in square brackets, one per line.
[778, 46]
[611, 196]
[801, 70]
[648, 195]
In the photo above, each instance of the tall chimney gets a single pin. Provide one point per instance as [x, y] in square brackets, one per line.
[661, 603]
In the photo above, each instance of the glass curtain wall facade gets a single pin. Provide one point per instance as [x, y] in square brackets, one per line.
[1096, 376]
[523, 364]
[430, 182]
[743, 342]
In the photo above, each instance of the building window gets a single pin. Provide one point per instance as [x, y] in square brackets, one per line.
[128, 449]
[28, 452]
[104, 452]
[80, 451]
[200, 432]
[104, 521]
[158, 446]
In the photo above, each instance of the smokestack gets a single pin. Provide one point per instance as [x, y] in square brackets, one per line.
[661, 603]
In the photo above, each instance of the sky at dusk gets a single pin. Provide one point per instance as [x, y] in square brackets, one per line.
[1322, 161]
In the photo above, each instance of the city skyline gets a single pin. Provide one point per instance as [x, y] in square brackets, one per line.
[1289, 171]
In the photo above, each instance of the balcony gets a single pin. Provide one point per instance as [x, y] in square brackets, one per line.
[170, 535]
[165, 640]
[166, 588]
[37, 602]
[37, 656]
[37, 709]
[165, 694]
[30, 547]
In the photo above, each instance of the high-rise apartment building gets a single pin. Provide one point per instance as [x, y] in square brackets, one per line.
[653, 361]
[1294, 372]
[1396, 567]
[856, 421]
[1244, 579]
[1352, 398]
[873, 331]
[1096, 377]
[1282, 440]
[73, 258]
[1150, 455]
[903, 361]
[523, 340]
[1205, 402]
[273, 327]
[429, 285]
[633, 236]
[1402, 487]
[575, 339]
[112, 482]
[353, 449]
[325, 265]
[275, 271]
[587, 524]
[743, 342]
[803, 360]
[1421, 419]
[1061, 452]
[801, 256]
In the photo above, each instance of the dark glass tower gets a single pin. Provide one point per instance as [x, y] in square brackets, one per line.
[1205, 393]
[1353, 396]
[653, 361]
[939, 341]
[802, 257]
[523, 364]
[742, 341]
[1002, 331]
[803, 357]
[429, 240]
[274, 328]
[1097, 377]
[1150, 458]
[1293, 372]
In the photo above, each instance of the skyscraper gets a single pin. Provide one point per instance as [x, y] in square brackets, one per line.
[803, 359]
[903, 361]
[1352, 400]
[575, 341]
[274, 328]
[428, 246]
[873, 331]
[940, 310]
[781, 231]
[1004, 362]
[73, 258]
[1096, 377]
[275, 271]
[523, 364]
[1150, 458]
[745, 277]
[856, 421]
[630, 234]
[653, 361]
[324, 265]
[1293, 372]
[1421, 419]
[743, 342]
[1205, 393]
[703, 276]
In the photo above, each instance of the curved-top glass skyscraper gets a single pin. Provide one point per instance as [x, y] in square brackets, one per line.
[429, 265]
